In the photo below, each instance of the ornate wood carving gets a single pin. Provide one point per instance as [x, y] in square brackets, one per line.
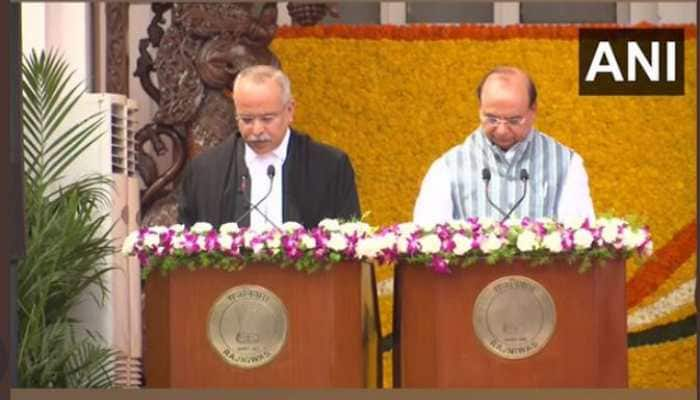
[117, 47]
[307, 14]
[144, 64]
[197, 59]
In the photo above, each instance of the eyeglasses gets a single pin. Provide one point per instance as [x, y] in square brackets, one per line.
[492, 120]
[265, 119]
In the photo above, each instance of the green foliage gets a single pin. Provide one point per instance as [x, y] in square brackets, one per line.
[67, 243]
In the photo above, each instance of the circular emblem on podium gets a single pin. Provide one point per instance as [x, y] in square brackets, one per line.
[514, 317]
[248, 326]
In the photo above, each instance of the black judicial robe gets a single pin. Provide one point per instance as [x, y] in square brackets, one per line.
[318, 182]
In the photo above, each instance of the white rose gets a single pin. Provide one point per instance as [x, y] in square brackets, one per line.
[202, 242]
[430, 244]
[158, 229]
[632, 239]
[177, 228]
[330, 224]
[130, 243]
[368, 248]
[229, 227]
[491, 243]
[487, 223]
[407, 228]
[258, 247]
[545, 221]
[348, 228]
[552, 242]
[263, 228]
[512, 221]
[201, 227]
[388, 241]
[573, 222]
[527, 240]
[291, 226]
[337, 242]
[308, 242]
[151, 240]
[462, 244]
[583, 238]
[364, 228]
[458, 224]
[359, 228]
[178, 241]
[226, 241]
[274, 242]
[608, 221]
[609, 232]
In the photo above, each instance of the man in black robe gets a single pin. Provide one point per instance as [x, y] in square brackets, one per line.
[317, 180]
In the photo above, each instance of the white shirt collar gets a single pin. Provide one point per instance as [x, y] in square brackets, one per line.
[509, 154]
[280, 152]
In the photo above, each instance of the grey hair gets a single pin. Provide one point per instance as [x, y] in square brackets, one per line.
[263, 73]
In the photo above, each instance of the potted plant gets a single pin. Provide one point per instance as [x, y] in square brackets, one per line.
[66, 237]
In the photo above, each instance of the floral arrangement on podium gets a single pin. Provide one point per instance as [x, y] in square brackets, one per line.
[440, 247]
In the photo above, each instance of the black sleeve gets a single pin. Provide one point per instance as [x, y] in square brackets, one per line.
[186, 203]
[346, 199]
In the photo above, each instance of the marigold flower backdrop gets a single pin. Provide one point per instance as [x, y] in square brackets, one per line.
[395, 98]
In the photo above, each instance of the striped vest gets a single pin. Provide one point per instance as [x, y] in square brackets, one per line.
[545, 160]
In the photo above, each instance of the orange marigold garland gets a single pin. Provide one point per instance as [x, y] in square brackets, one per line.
[467, 31]
[665, 261]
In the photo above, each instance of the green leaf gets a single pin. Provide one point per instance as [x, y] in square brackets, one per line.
[67, 243]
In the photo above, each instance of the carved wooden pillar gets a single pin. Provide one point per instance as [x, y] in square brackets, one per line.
[117, 60]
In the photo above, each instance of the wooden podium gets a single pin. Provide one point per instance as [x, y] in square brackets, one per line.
[435, 343]
[331, 338]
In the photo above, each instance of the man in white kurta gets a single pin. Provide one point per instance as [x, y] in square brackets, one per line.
[504, 159]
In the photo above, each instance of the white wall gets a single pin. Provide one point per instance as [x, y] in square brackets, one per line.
[63, 27]
[678, 13]
[661, 13]
[33, 27]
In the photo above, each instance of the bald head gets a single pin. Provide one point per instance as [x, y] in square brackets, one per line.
[509, 76]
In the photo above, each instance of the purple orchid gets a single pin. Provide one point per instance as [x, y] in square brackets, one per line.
[191, 246]
[440, 265]
[567, 239]
[143, 258]
[211, 241]
[447, 245]
[413, 246]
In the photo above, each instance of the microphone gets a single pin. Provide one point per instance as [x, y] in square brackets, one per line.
[486, 176]
[271, 175]
[524, 176]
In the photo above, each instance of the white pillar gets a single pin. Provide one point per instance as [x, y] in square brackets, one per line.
[283, 17]
[506, 13]
[678, 13]
[392, 13]
[643, 12]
